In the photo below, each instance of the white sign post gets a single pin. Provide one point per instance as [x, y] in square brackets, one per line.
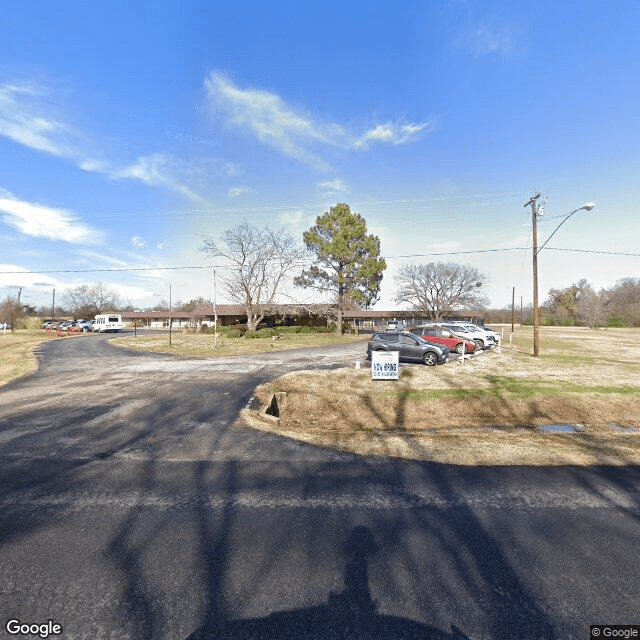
[384, 365]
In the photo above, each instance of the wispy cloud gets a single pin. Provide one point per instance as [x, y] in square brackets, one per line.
[489, 38]
[331, 188]
[40, 221]
[158, 169]
[292, 218]
[293, 131]
[22, 119]
[25, 118]
[393, 133]
[137, 242]
[236, 192]
[12, 275]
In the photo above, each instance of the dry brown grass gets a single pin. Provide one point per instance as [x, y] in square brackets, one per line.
[483, 412]
[203, 345]
[16, 357]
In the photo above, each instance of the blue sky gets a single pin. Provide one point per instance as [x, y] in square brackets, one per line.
[129, 132]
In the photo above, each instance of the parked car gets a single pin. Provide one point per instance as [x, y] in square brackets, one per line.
[442, 335]
[5, 325]
[410, 346]
[482, 340]
[85, 325]
[490, 337]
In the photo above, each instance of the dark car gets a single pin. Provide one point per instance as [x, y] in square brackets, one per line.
[85, 325]
[410, 346]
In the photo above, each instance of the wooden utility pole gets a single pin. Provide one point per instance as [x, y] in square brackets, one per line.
[215, 313]
[533, 202]
[513, 309]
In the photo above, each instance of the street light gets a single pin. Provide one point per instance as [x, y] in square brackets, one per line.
[533, 202]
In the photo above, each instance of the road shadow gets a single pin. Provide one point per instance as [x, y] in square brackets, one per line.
[349, 614]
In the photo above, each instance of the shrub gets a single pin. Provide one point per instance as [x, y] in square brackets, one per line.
[618, 321]
[267, 332]
[305, 330]
[294, 329]
[221, 330]
[236, 333]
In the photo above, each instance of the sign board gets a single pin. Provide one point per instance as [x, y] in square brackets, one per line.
[384, 365]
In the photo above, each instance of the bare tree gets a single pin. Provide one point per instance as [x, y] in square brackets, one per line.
[11, 311]
[260, 260]
[437, 289]
[88, 301]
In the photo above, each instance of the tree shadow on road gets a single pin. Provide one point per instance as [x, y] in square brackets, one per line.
[351, 613]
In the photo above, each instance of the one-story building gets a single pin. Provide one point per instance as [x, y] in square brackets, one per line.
[285, 314]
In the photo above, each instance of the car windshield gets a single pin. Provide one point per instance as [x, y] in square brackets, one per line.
[459, 329]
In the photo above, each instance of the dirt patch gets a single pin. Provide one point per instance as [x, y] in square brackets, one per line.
[484, 412]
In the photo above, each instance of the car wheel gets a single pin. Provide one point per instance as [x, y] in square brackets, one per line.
[430, 359]
[460, 348]
[479, 343]
[85, 329]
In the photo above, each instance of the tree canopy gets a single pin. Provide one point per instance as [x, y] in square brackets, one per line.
[347, 260]
[437, 289]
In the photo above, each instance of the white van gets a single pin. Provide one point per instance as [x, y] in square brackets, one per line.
[108, 322]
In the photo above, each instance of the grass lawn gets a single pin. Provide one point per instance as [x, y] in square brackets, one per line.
[483, 412]
[203, 345]
[16, 357]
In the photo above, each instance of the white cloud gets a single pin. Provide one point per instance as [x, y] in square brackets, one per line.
[444, 247]
[158, 169]
[333, 187]
[137, 242]
[25, 118]
[12, 275]
[393, 133]
[291, 217]
[21, 120]
[292, 131]
[40, 221]
[489, 38]
[236, 192]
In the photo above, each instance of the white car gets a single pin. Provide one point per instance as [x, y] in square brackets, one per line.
[468, 331]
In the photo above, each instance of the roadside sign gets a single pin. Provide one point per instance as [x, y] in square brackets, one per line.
[384, 365]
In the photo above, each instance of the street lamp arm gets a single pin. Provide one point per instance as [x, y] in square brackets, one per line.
[585, 207]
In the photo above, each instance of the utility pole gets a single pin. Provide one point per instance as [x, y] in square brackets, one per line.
[215, 313]
[513, 309]
[53, 305]
[533, 202]
[170, 319]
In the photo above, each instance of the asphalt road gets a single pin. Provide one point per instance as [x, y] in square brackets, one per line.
[134, 506]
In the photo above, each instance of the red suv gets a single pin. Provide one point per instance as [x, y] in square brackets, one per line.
[442, 335]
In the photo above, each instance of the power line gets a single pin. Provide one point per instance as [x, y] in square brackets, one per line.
[412, 255]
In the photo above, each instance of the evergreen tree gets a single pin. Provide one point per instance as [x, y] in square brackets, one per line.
[348, 263]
